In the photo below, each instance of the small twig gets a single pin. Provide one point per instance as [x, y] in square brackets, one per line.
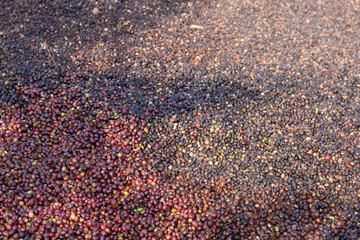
[196, 27]
[44, 45]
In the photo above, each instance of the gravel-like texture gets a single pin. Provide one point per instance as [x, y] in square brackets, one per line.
[246, 118]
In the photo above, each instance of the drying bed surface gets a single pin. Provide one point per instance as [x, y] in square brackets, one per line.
[179, 120]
